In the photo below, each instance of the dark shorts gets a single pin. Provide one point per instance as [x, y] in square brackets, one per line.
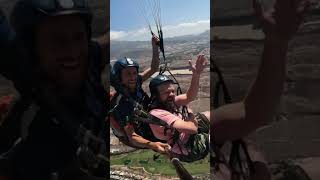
[198, 144]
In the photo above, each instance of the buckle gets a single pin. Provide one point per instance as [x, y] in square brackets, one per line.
[92, 151]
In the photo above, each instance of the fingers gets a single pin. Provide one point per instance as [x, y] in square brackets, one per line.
[200, 56]
[155, 38]
[165, 145]
[163, 148]
[200, 59]
[292, 7]
[303, 6]
[162, 144]
[190, 64]
[286, 19]
[167, 148]
[199, 65]
[301, 9]
[204, 57]
[155, 43]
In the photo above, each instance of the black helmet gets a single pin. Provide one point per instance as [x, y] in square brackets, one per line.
[156, 81]
[118, 66]
[28, 13]
[121, 64]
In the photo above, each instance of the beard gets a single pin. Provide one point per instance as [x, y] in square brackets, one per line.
[131, 87]
[169, 105]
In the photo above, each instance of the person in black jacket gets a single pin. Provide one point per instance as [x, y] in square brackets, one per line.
[62, 109]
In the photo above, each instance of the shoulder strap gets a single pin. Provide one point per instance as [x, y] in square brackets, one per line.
[115, 100]
[27, 117]
[10, 129]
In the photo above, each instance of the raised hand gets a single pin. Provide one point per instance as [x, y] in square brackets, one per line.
[284, 19]
[200, 64]
[155, 41]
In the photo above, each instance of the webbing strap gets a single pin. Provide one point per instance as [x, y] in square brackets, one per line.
[139, 111]
[235, 158]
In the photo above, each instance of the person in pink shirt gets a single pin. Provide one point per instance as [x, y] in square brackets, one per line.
[187, 134]
[232, 121]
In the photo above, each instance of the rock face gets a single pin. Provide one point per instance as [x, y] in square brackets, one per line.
[125, 173]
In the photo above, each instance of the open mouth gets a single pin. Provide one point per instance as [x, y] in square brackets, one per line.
[170, 99]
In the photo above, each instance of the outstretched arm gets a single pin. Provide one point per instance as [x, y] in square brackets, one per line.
[155, 60]
[193, 89]
[237, 120]
[139, 141]
[190, 125]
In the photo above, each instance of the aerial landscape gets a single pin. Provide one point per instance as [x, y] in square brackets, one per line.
[292, 137]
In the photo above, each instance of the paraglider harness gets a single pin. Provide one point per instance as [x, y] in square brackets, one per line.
[235, 161]
[140, 118]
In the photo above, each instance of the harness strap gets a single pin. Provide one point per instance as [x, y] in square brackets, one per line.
[143, 118]
[117, 130]
[237, 144]
[27, 118]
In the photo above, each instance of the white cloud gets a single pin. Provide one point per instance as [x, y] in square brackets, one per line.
[186, 28]
[117, 34]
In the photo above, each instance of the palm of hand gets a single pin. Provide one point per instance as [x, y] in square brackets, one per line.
[199, 66]
[284, 19]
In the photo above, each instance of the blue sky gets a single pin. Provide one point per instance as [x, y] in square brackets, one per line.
[179, 17]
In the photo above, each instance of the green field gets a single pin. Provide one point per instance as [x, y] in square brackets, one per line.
[162, 165]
